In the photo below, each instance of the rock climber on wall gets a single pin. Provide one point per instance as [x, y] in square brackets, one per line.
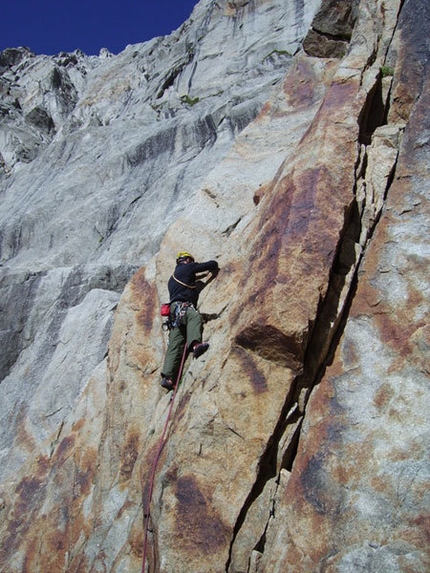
[186, 323]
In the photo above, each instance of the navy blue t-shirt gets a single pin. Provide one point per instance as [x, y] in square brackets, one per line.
[184, 289]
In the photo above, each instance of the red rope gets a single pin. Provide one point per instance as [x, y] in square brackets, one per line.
[155, 462]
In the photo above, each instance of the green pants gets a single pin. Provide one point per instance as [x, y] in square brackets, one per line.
[189, 331]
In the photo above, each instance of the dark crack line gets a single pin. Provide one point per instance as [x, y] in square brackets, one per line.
[325, 336]
[267, 469]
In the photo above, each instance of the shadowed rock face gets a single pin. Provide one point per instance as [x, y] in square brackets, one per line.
[288, 140]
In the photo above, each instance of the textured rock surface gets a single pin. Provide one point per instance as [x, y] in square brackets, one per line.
[289, 140]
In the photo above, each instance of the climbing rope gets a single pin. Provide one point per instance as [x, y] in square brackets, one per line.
[161, 443]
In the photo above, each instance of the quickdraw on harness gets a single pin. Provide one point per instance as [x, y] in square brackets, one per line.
[175, 314]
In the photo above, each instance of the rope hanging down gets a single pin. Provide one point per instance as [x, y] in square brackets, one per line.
[161, 443]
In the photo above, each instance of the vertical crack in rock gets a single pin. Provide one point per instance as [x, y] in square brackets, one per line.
[323, 340]
[374, 113]
[328, 321]
[361, 218]
[268, 469]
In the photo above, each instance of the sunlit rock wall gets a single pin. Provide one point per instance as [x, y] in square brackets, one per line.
[290, 142]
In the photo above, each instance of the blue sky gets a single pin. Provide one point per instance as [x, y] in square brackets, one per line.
[52, 26]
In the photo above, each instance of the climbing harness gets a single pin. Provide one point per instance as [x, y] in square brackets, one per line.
[161, 443]
[176, 315]
[179, 313]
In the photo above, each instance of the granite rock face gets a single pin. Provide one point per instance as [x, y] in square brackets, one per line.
[288, 140]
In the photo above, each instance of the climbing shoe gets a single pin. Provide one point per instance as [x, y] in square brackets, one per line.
[200, 349]
[167, 384]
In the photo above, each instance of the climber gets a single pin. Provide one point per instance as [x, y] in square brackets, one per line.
[186, 322]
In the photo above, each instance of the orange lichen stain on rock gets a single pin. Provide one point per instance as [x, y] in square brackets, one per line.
[397, 336]
[383, 396]
[350, 357]
[403, 100]
[294, 556]
[299, 86]
[55, 545]
[65, 537]
[30, 495]
[342, 474]
[197, 527]
[419, 532]
[64, 449]
[75, 466]
[84, 475]
[64, 525]
[32, 558]
[181, 409]
[139, 285]
[256, 378]
[289, 247]
[78, 425]
[382, 485]
[23, 438]
[265, 111]
[42, 466]
[135, 539]
[294, 213]
[129, 456]
[145, 296]
[146, 471]
[31, 492]
[337, 97]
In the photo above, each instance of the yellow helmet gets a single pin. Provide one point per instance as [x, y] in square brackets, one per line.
[183, 255]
